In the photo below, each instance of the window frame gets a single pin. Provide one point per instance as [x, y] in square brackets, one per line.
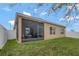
[62, 31]
[52, 30]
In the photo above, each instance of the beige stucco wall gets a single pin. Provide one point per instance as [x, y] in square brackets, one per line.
[47, 34]
[19, 29]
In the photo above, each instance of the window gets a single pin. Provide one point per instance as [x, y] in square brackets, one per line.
[52, 30]
[62, 31]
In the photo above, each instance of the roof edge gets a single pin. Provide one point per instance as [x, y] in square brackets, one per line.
[39, 19]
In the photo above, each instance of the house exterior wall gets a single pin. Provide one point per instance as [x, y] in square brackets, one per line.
[47, 34]
[46, 30]
[3, 36]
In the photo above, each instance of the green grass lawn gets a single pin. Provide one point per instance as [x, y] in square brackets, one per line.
[60, 46]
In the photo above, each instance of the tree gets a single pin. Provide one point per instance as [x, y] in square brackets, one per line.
[70, 8]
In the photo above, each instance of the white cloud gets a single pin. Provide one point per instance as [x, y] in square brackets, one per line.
[61, 19]
[43, 13]
[77, 17]
[70, 18]
[11, 22]
[35, 10]
[7, 9]
[69, 7]
[77, 5]
[26, 13]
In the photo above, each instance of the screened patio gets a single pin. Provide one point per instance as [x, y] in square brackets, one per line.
[32, 30]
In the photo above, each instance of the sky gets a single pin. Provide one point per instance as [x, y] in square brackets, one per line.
[8, 15]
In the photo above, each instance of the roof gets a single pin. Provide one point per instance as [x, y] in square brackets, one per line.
[37, 19]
